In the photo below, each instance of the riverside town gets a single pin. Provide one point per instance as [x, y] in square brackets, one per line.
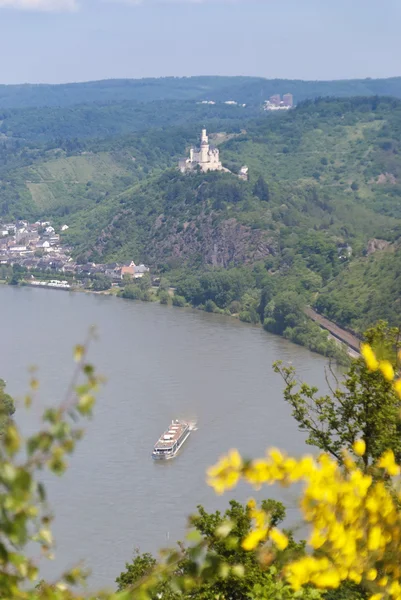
[37, 249]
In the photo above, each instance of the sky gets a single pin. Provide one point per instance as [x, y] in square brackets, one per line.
[55, 41]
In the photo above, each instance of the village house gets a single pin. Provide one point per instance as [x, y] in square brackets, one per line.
[43, 245]
[54, 240]
[70, 268]
[17, 249]
[140, 271]
[30, 263]
[43, 264]
[128, 269]
[88, 269]
[57, 265]
[113, 270]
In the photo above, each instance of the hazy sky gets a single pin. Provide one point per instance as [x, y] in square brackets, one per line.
[77, 40]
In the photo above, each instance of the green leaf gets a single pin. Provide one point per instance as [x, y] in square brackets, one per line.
[12, 440]
[224, 529]
[85, 404]
[78, 352]
[194, 536]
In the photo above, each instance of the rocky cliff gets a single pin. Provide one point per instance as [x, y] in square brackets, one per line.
[220, 244]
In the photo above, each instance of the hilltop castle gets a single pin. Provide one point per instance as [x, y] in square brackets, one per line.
[207, 157]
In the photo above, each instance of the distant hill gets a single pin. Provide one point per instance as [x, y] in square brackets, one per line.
[251, 90]
[331, 180]
[110, 91]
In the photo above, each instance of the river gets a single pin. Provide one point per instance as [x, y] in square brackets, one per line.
[160, 363]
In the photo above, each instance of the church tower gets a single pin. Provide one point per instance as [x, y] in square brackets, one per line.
[204, 149]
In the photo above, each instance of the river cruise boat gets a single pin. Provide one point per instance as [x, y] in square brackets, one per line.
[169, 444]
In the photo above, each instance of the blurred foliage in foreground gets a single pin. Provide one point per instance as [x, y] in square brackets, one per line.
[7, 407]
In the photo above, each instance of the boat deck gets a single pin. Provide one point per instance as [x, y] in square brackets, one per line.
[171, 435]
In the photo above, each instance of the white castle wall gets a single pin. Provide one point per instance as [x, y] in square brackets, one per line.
[208, 159]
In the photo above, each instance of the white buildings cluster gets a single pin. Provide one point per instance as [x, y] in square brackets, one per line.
[228, 102]
[27, 240]
[37, 247]
[276, 103]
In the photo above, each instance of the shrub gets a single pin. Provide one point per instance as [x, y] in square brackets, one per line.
[179, 301]
[164, 297]
[132, 292]
[210, 306]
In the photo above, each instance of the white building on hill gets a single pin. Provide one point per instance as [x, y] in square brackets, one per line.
[207, 157]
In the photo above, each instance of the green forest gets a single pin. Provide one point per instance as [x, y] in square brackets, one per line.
[318, 223]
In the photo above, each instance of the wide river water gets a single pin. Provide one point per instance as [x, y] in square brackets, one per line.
[160, 363]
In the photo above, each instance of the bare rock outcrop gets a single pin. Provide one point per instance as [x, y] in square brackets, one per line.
[386, 178]
[374, 245]
[222, 244]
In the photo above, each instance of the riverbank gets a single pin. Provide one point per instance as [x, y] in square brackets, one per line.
[335, 345]
[350, 340]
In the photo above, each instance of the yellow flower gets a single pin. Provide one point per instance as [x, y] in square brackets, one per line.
[373, 504]
[252, 503]
[376, 597]
[279, 538]
[355, 520]
[371, 575]
[397, 387]
[355, 577]
[254, 538]
[327, 579]
[359, 447]
[370, 357]
[317, 539]
[387, 462]
[226, 474]
[235, 459]
[387, 369]
[395, 589]
[374, 538]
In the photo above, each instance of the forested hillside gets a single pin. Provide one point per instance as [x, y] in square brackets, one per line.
[367, 290]
[253, 90]
[83, 121]
[330, 166]
[65, 176]
[324, 181]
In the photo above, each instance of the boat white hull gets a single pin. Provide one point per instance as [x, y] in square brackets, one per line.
[170, 455]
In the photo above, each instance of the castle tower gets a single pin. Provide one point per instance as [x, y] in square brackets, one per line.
[204, 149]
